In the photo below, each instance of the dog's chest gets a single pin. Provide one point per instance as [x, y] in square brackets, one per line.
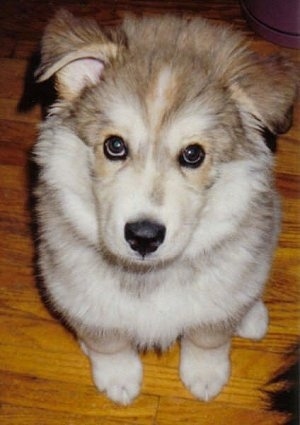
[155, 314]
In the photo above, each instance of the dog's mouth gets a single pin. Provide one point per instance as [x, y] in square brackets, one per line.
[135, 262]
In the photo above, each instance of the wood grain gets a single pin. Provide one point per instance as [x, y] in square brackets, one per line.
[44, 378]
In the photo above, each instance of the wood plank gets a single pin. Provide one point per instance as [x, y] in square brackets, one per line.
[180, 411]
[64, 397]
[22, 415]
[9, 110]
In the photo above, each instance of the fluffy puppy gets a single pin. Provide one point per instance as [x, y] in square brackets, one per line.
[156, 207]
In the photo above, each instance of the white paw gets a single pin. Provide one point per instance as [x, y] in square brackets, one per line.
[204, 371]
[119, 375]
[254, 324]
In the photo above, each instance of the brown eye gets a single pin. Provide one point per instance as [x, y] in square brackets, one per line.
[192, 156]
[115, 148]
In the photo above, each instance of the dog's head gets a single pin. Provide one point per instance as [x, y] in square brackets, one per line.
[175, 114]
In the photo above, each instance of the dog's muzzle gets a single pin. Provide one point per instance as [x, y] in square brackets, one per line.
[144, 236]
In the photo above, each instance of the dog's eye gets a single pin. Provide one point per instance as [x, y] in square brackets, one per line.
[192, 156]
[115, 148]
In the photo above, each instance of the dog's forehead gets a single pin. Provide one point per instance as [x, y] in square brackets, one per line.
[159, 110]
[160, 96]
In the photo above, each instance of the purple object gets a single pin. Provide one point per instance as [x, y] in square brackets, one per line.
[275, 20]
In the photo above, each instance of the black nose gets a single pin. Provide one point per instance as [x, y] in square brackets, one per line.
[144, 236]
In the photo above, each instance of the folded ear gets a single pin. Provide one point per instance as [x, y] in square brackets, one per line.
[76, 51]
[265, 90]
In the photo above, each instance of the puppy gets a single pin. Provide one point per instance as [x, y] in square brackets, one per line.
[156, 204]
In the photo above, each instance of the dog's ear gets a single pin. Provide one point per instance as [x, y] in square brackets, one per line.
[264, 90]
[76, 51]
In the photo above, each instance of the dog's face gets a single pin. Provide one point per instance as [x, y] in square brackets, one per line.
[169, 132]
[158, 151]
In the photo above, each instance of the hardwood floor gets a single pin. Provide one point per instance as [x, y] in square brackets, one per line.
[44, 378]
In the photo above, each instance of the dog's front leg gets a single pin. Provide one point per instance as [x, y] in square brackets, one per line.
[204, 362]
[116, 366]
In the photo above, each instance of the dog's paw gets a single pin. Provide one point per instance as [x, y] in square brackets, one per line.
[254, 324]
[204, 371]
[119, 375]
